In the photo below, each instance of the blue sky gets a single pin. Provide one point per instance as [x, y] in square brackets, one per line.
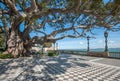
[99, 42]
[81, 43]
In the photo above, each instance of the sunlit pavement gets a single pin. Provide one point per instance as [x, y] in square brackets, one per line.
[62, 68]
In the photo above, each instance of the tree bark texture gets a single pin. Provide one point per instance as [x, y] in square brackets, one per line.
[17, 44]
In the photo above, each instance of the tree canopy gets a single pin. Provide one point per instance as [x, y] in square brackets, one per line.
[55, 19]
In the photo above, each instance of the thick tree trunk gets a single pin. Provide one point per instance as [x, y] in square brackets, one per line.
[16, 46]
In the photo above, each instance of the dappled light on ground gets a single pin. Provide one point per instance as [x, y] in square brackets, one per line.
[61, 68]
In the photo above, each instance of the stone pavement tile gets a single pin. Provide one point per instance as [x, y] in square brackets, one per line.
[109, 61]
[57, 69]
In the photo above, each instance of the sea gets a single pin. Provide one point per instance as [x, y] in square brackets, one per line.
[110, 50]
[96, 50]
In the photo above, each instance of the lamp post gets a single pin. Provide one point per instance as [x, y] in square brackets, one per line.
[106, 46]
[88, 48]
[54, 45]
[57, 46]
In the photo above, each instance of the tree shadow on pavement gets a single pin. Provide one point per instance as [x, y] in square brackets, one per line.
[36, 68]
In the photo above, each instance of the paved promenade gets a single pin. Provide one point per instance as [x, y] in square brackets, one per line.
[62, 68]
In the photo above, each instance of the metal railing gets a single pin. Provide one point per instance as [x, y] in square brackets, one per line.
[79, 52]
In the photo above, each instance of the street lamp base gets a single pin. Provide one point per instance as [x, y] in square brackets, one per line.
[106, 54]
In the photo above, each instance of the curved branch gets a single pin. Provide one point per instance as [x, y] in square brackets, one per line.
[72, 36]
[12, 6]
[32, 8]
[54, 33]
[41, 32]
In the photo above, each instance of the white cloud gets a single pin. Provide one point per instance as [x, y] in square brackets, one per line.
[111, 41]
[114, 45]
[100, 41]
[81, 43]
[72, 44]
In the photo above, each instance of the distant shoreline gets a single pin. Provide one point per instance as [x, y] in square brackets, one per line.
[97, 49]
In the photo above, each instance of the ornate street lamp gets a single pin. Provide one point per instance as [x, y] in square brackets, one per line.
[106, 46]
[88, 48]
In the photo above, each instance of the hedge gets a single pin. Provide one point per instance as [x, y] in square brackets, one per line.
[5, 56]
[53, 53]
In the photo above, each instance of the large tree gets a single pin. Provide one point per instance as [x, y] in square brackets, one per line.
[52, 20]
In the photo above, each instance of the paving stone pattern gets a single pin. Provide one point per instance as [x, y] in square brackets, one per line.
[62, 68]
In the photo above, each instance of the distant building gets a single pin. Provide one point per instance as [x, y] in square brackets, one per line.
[38, 48]
[50, 48]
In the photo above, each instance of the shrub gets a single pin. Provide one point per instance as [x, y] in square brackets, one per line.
[53, 53]
[39, 53]
[5, 56]
[2, 49]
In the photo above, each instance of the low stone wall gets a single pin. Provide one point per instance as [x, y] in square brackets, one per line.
[99, 54]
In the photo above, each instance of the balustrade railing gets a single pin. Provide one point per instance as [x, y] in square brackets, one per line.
[79, 52]
[74, 52]
[114, 54]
